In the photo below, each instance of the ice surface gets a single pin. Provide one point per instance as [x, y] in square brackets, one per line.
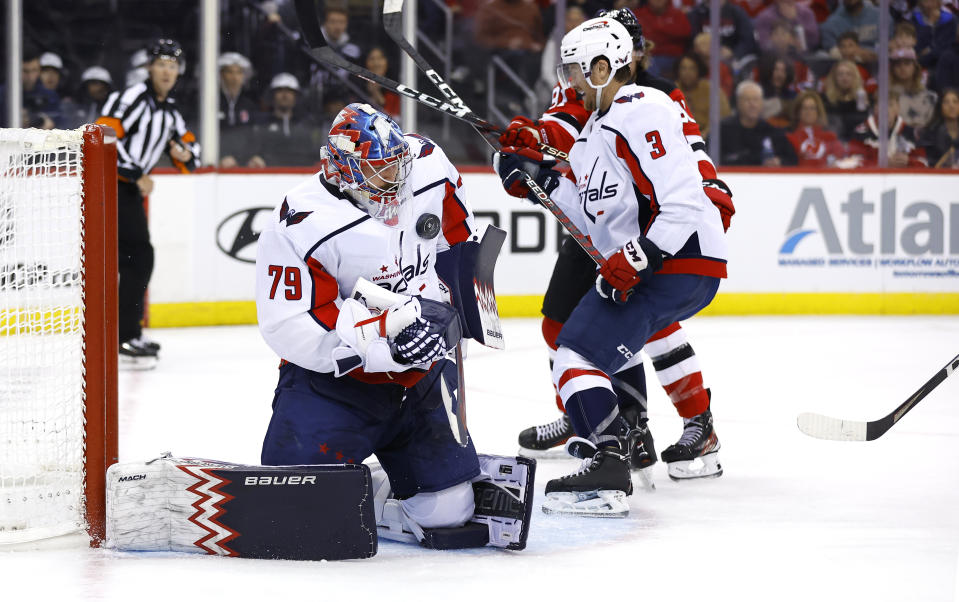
[792, 518]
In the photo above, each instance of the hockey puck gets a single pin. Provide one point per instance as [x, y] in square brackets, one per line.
[428, 226]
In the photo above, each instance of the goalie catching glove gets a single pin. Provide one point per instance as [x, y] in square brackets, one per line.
[515, 165]
[637, 260]
[413, 333]
[426, 340]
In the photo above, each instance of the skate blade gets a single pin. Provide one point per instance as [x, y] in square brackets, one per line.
[553, 453]
[643, 478]
[703, 467]
[136, 364]
[597, 504]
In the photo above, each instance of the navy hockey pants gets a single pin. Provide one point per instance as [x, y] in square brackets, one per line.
[608, 335]
[319, 419]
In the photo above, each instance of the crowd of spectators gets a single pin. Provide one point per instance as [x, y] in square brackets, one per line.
[798, 78]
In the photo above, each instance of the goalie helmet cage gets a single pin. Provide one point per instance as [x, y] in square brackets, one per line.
[58, 330]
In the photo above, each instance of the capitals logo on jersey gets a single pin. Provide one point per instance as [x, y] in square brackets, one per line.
[290, 216]
[398, 279]
[591, 190]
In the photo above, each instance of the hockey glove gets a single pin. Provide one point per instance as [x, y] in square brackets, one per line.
[721, 196]
[638, 259]
[514, 165]
[434, 332]
[522, 132]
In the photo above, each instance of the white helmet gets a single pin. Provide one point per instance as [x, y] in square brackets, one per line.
[235, 58]
[284, 80]
[600, 37]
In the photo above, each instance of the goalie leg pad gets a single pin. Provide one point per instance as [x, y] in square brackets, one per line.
[504, 499]
[322, 512]
[431, 518]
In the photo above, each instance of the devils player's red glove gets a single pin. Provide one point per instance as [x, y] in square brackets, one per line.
[638, 259]
[722, 197]
[522, 132]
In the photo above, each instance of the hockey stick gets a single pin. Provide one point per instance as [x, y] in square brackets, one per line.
[394, 28]
[320, 51]
[393, 24]
[837, 429]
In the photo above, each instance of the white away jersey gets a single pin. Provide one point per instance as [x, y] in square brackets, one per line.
[318, 244]
[633, 172]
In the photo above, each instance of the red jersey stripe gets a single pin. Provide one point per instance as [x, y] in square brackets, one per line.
[708, 170]
[325, 292]
[694, 265]
[406, 379]
[639, 178]
[455, 228]
[691, 128]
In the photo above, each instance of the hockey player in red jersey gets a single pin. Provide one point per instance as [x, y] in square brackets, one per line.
[358, 378]
[634, 187]
[672, 356]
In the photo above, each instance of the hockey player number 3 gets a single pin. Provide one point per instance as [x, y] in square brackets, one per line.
[654, 138]
[291, 279]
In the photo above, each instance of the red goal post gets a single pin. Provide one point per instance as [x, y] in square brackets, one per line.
[58, 330]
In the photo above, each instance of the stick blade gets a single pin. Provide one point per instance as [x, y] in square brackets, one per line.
[833, 429]
[492, 329]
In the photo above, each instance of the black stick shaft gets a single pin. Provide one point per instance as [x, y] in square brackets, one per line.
[392, 23]
[876, 428]
[320, 51]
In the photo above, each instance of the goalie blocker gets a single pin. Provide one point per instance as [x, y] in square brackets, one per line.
[322, 512]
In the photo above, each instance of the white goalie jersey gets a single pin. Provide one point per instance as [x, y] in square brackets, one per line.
[633, 173]
[318, 244]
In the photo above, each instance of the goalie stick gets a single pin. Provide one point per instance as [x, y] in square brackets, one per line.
[392, 23]
[480, 319]
[837, 429]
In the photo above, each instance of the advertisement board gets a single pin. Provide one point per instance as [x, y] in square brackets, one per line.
[799, 243]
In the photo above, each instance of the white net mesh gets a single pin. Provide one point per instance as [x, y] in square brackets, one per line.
[41, 334]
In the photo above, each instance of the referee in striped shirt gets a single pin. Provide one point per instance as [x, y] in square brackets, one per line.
[147, 124]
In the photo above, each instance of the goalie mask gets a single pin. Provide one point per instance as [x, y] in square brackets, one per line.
[367, 157]
[591, 40]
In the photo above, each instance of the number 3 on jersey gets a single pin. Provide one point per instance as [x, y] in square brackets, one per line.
[291, 280]
[654, 138]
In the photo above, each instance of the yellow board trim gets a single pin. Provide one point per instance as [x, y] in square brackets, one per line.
[208, 313]
[217, 313]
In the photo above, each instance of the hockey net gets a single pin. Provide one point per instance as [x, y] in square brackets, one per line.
[58, 347]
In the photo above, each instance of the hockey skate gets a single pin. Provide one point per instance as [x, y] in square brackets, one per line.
[136, 357]
[546, 440]
[599, 488]
[148, 344]
[695, 455]
[642, 454]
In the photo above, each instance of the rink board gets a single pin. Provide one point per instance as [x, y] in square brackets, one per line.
[800, 243]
